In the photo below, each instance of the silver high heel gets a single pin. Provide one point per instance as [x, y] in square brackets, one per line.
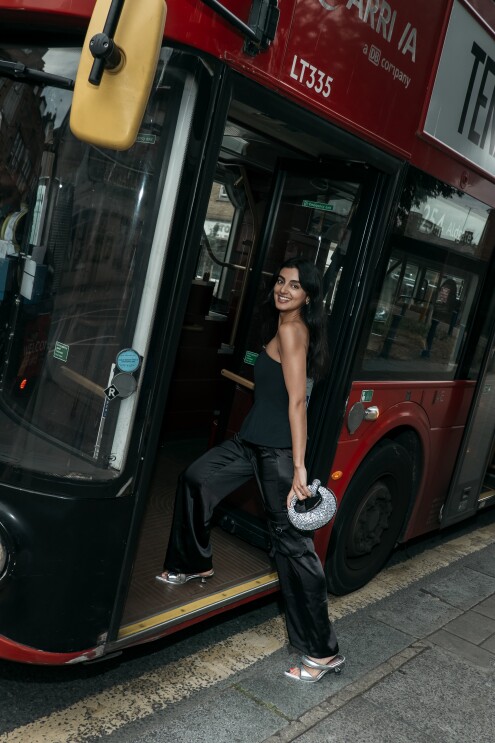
[335, 665]
[178, 579]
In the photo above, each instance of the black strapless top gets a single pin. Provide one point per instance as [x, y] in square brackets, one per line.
[267, 423]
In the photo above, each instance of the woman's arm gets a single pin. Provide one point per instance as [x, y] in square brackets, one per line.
[292, 342]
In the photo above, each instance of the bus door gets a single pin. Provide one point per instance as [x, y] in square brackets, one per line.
[259, 214]
[473, 483]
[313, 214]
[320, 212]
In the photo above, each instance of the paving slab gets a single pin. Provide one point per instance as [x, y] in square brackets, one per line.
[361, 721]
[366, 644]
[462, 587]
[441, 696]
[226, 717]
[414, 612]
[472, 627]
[464, 649]
[489, 644]
[482, 561]
[345, 696]
[486, 607]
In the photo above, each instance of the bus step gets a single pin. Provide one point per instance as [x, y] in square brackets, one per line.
[102, 658]
[489, 481]
[487, 496]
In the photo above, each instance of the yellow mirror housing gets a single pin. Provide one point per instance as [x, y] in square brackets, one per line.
[109, 115]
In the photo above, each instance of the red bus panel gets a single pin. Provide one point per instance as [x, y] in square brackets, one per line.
[378, 57]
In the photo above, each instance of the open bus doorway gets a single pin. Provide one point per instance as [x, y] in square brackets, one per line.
[198, 391]
[199, 394]
[263, 208]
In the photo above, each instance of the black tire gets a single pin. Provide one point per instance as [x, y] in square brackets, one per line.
[370, 518]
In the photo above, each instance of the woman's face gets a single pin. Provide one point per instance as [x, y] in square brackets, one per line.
[288, 292]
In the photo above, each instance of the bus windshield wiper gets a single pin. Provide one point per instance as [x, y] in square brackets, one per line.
[19, 71]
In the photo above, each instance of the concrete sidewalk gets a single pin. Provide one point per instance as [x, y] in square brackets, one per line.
[420, 669]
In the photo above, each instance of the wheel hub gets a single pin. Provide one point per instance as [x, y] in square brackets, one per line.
[371, 520]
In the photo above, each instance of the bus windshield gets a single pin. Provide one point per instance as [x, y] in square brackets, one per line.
[77, 234]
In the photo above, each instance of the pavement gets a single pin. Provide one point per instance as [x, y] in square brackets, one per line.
[420, 668]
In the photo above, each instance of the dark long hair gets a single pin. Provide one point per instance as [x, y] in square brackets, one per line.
[312, 314]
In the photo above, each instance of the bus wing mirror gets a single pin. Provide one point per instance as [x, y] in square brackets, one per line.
[108, 113]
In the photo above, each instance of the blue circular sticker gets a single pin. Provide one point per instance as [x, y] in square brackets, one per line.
[128, 360]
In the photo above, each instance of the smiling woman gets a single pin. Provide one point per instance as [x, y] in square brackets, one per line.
[288, 292]
[270, 447]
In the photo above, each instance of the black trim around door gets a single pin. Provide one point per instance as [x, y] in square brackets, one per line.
[372, 224]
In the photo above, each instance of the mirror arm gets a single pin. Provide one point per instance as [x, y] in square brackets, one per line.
[105, 51]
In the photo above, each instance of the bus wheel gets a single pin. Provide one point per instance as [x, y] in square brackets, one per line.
[370, 518]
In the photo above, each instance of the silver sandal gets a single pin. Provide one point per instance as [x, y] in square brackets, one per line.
[335, 665]
[178, 579]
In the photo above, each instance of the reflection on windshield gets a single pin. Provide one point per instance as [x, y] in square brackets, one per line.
[75, 236]
[440, 214]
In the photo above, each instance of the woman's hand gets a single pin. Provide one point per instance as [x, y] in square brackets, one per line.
[299, 485]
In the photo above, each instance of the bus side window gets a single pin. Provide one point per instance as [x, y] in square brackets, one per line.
[431, 282]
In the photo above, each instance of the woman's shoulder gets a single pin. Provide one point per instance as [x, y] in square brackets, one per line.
[293, 332]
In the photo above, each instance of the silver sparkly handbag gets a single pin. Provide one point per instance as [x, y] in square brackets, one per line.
[311, 516]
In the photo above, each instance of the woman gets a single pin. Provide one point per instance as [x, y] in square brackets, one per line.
[271, 445]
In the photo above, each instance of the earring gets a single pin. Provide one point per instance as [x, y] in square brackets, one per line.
[307, 300]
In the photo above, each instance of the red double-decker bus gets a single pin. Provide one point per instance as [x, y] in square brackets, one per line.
[147, 193]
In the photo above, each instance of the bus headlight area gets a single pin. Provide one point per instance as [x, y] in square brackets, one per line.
[4, 555]
[7, 548]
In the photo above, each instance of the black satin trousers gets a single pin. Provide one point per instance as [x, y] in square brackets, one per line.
[216, 474]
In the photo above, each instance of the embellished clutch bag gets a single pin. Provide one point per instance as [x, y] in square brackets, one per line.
[315, 512]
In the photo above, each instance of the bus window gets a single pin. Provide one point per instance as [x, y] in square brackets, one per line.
[438, 254]
[482, 344]
[77, 248]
